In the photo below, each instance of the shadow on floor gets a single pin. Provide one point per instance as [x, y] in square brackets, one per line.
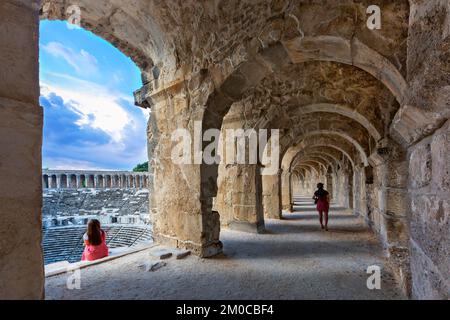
[314, 216]
[314, 227]
[243, 249]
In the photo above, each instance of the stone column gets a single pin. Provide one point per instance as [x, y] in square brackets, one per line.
[146, 181]
[272, 195]
[79, 182]
[239, 199]
[286, 191]
[21, 262]
[360, 204]
[58, 181]
[180, 193]
[329, 185]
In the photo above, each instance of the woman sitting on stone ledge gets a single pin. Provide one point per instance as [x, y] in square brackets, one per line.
[95, 242]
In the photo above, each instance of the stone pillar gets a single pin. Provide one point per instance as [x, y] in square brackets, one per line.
[58, 181]
[100, 181]
[286, 191]
[21, 120]
[429, 190]
[360, 205]
[79, 181]
[180, 194]
[272, 195]
[44, 181]
[329, 185]
[239, 198]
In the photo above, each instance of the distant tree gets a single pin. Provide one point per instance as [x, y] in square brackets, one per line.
[141, 167]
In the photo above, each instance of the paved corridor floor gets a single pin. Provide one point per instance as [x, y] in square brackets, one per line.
[295, 259]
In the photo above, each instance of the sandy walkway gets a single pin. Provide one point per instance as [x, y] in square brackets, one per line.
[294, 260]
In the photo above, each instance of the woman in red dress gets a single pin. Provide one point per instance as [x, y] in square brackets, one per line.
[322, 199]
[94, 242]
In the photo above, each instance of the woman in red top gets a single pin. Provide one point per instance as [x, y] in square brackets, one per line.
[94, 242]
[322, 199]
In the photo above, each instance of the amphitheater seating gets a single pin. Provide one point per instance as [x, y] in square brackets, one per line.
[66, 243]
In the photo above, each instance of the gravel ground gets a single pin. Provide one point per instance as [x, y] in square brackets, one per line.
[293, 260]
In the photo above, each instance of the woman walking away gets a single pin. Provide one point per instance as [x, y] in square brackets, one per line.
[322, 199]
[94, 242]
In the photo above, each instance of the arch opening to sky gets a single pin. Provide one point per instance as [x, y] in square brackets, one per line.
[87, 85]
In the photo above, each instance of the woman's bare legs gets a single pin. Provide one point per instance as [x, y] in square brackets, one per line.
[326, 219]
[321, 219]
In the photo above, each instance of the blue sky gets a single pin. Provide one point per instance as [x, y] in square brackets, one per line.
[90, 120]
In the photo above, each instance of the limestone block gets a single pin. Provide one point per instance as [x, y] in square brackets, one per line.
[21, 262]
[161, 253]
[271, 196]
[181, 254]
[430, 229]
[420, 166]
[427, 281]
[244, 213]
[396, 202]
[440, 150]
[412, 123]
[397, 175]
[19, 78]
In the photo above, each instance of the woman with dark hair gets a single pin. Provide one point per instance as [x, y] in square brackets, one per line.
[322, 200]
[94, 242]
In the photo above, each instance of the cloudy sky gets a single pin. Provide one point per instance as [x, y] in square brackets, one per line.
[90, 121]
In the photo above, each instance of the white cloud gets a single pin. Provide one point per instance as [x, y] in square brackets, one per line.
[83, 62]
[99, 107]
[70, 164]
[127, 130]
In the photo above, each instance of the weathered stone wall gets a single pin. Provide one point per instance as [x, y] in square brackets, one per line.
[429, 187]
[422, 125]
[239, 197]
[272, 195]
[21, 261]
